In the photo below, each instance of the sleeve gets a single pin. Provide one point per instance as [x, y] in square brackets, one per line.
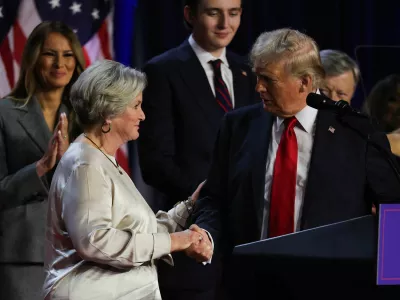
[211, 207]
[174, 220]
[87, 212]
[156, 145]
[17, 188]
[383, 183]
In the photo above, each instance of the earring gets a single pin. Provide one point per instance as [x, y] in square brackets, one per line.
[105, 124]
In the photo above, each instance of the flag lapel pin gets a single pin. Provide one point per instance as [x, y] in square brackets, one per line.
[331, 129]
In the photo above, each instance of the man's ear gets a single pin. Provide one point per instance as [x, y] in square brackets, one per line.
[305, 83]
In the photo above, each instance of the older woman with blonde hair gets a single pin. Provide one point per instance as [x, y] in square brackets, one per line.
[103, 239]
[36, 125]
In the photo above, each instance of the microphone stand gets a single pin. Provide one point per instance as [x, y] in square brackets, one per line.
[370, 137]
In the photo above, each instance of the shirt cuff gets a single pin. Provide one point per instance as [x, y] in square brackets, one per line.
[212, 243]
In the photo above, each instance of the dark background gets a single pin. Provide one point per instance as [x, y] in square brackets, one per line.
[367, 30]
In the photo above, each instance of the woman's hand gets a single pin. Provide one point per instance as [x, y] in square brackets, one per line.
[62, 126]
[184, 239]
[196, 193]
[49, 159]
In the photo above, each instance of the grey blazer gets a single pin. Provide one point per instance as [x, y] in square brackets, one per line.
[24, 137]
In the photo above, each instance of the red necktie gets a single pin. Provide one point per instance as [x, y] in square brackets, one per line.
[221, 91]
[283, 189]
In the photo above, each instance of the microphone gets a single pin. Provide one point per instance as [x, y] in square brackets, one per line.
[344, 110]
[341, 107]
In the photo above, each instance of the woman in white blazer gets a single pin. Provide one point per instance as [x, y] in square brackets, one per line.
[102, 238]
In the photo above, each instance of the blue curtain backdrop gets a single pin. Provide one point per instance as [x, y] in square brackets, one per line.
[367, 30]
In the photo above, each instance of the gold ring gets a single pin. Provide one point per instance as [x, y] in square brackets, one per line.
[64, 137]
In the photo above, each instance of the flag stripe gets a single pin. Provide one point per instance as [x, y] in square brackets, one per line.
[7, 59]
[19, 42]
[104, 41]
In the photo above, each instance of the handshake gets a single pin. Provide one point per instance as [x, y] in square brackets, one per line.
[194, 241]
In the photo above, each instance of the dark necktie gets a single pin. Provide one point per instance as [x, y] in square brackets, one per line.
[221, 91]
[283, 188]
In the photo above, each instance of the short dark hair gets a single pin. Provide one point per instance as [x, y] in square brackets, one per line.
[194, 6]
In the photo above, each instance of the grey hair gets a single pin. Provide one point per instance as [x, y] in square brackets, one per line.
[299, 51]
[336, 63]
[104, 90]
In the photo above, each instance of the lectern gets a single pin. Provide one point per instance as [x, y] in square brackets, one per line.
[336, 261]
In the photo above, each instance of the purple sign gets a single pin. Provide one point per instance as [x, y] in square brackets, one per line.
[389, 245]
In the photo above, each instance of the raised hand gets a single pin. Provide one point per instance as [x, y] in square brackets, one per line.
[49, 159]
[62, 126]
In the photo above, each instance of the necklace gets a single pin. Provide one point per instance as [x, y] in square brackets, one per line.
[115, 164]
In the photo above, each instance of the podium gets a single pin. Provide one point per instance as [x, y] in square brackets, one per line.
[329, 262]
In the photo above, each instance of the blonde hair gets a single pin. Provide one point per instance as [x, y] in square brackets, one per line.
[104, 90]
[28, 80]
[299, 51]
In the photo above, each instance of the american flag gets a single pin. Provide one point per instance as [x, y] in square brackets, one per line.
[91, 20]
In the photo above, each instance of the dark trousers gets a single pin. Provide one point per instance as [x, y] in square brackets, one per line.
[188, 279]
[21, 281]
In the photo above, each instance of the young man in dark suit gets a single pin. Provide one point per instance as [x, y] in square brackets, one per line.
[282, 166]
[188, 93]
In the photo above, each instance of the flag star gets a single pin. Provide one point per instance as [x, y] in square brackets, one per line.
[95, 14]
[54, 3]
[75, 7]
[75, 31]
[1, 11]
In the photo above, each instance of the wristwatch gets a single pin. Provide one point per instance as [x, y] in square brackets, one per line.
[189, 203]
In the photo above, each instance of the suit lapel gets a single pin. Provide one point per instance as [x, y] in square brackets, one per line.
[32, 120]
[195, 78]
[260, 131]
[322, 159]
[240, 82]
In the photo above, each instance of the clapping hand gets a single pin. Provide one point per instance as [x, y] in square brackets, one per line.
[62, 126]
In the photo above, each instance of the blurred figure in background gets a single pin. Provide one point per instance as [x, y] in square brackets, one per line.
[341, 75]
[36, 126]
[383, 104]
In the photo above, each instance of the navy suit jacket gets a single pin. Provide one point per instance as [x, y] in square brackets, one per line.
[346, 176]
[182, 119]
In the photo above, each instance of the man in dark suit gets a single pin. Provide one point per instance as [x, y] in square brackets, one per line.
[188, 93]
[182, 112]
[281, 166]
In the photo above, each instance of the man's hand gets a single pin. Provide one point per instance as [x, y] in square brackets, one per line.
[202, 250]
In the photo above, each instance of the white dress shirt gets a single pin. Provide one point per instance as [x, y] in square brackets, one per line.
[204, 58]
[304, 131]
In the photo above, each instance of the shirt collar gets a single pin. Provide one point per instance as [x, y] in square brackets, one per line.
[205, 56]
